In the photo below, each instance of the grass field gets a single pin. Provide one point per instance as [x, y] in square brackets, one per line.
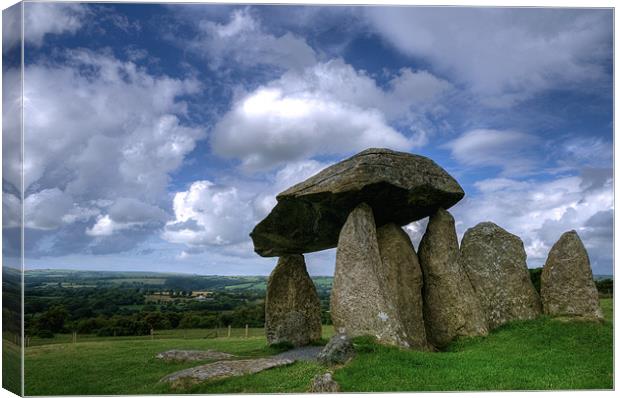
[534, 355]
[11, 366]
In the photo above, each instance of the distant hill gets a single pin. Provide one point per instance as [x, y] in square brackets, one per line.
[159, 280]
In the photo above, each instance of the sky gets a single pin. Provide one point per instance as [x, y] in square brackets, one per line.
[157, 136]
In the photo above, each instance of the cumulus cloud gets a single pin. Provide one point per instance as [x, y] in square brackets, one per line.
[102, 137]
[11, 27]
[529, 50]
[329, 108]
[540, 211]
[506, 149]
[207, 214]
[11, 211]
[11, 128]
[219, 217]
[41, 19]
[46, 209]
[127, 213]
[243, 41]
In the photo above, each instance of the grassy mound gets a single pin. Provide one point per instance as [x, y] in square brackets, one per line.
[534, 355]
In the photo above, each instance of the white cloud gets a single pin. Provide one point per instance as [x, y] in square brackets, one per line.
[46, 209]
[51, 18]
[219, 217]
[503, 55]
[207, 214]
[127, 213]
[105, 226]
[329, 108]
[243, 41]
[509, 150]
[540, 211]
[11, 27]
[104, 128]
[11, 211]
[102, 137]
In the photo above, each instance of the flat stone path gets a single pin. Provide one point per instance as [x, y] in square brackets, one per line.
[221, 369]
[192, 355]
[307, 353]
[228, 368]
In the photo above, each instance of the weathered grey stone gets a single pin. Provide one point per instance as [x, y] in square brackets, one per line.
[451, 308]
[399, 187]
[401, 281]
[223, 369]
[324, 383]
[292, 306]
[494, 261]
[337, 351]
[360, 303]
[192, 355]
[566, 284]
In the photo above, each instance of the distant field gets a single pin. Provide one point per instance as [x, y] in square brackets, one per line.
[155, 280]
[542, 354]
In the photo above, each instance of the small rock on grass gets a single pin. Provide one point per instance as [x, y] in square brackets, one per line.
[338, 350]
[324, 383]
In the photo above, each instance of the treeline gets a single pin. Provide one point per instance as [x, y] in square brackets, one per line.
[57, 319]
[123, 311]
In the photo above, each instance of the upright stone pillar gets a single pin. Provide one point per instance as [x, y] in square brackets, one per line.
[401, 278]
[451, 308]
[567, 287]
[365, 294]
[494, 260]
[292, 306]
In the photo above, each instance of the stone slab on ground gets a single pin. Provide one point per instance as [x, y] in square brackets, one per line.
[307, 353]
[192, 355]
[223, 369]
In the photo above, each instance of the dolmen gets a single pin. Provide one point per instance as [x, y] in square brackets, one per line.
[381, 286]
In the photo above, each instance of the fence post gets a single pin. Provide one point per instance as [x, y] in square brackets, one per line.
[247, 330]
[152, 334]
[228, 331]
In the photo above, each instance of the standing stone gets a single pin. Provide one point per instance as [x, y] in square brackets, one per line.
[401, 280]
[292, 306]
[494, 261]
[451, 308]
[358, 302]
[566, 285]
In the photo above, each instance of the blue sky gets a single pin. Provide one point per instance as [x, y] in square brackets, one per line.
[157, 136]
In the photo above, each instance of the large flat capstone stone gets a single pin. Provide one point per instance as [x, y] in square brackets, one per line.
[399, 187]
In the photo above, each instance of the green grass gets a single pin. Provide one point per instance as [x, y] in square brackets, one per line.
[544, 354]
[534, 355]
[11, 366]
